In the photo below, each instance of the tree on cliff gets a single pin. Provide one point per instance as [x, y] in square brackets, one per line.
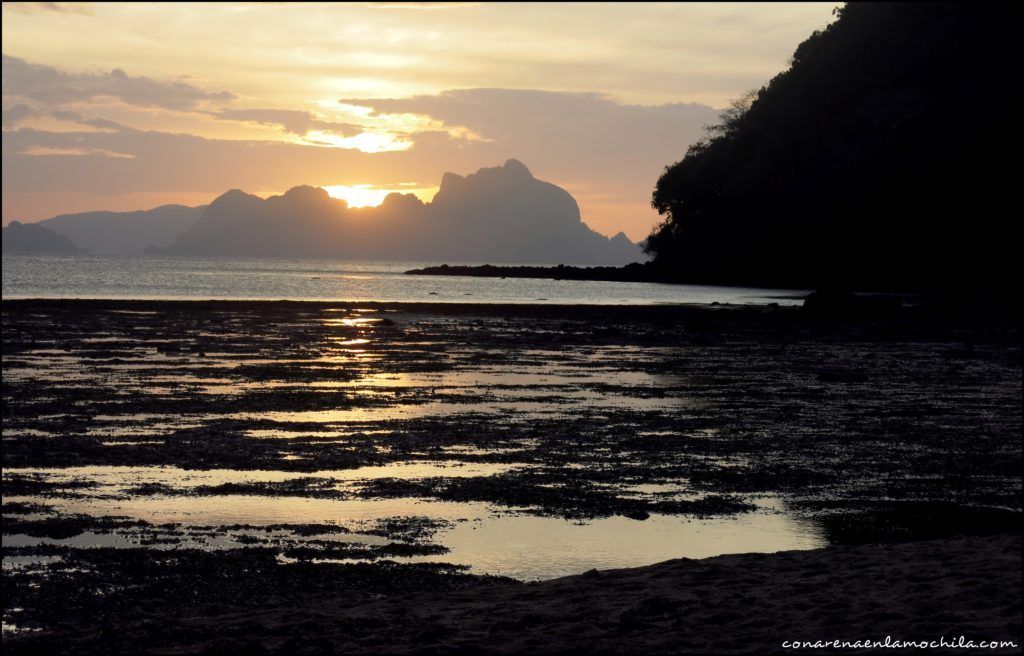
[879, 159]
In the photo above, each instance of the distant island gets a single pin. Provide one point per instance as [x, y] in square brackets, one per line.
[32, 239]
[499, 214]
[125, 233]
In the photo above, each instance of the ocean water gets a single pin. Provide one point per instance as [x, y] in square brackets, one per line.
[119, 277]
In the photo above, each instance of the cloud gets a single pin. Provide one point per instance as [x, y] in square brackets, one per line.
[165, 162]
[290, 120]
[84, 8]
[103, 124]
[565, 130]
[606, 153]
[54, 87]
[17, 113]
[42, 151]
[94, 122]
[422, 6]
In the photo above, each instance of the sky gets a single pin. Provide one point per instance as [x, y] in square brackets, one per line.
[127, 106]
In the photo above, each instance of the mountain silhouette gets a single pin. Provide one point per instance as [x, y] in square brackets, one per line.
[499, 214]
[504, 214]
[881, 159]
[125, 233]
[304, 222]
[28, 238]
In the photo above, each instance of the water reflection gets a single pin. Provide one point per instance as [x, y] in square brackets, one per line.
[355, 383]
[487, 539]
[532, 548]
[107, 481]
[42, 276]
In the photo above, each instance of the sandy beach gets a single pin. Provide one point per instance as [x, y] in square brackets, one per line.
[920, 592]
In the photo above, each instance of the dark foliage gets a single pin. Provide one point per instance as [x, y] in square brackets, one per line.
[881, 159]
[635, 272]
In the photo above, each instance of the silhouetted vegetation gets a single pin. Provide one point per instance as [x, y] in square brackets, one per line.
[634, 272]
[878, 160]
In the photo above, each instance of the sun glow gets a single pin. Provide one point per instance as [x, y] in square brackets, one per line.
[368, 142]
[358, 195]
[366, 195]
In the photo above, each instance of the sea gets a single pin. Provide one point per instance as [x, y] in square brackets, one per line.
[215, 278]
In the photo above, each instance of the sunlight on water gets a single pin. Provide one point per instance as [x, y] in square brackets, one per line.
[530, 548]
[29, 276]
[487, 539]
[300, 400]
[114, 480]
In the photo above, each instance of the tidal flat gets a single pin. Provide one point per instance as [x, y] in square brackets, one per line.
[170, 460]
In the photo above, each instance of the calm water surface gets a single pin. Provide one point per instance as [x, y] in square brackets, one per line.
[51, 276]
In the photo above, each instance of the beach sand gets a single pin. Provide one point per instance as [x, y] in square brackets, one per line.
[749, 603]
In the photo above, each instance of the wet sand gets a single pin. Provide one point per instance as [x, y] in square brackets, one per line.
[917, 591]
[167, 460]
[742, 603]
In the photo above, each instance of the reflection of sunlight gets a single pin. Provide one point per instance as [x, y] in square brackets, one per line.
[528, 547]
[263, 510]
[115, 479]
[350, 342]
[489, 542]
[353, 321]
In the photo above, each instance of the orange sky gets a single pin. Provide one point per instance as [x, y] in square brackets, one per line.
[131, 105]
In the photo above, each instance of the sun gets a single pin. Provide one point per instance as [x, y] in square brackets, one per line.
[367, 195]
[363, 195]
